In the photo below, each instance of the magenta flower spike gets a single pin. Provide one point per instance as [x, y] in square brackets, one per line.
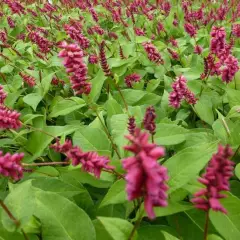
[216, 180]
[145, 176]
[10, 165]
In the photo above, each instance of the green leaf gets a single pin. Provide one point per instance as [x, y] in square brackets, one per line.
[57, 186]
[138, 97]
[233, 97]
[113, 107]
[213, 237]
[7, 69]
[60, 218]
[116, 194]
[234, 112]
[172, 208]
[85, 178]
[204, 110]
[237, 171]
[154, 232]
[187, 163]
[118, 125]
[186, 227]
[92, 139]
[65, 107]
[228, 225]
[46, 82]
[12, 98]
[117, 228]
[32, 99]
[97, 84]
[169, 134]
[141, 39]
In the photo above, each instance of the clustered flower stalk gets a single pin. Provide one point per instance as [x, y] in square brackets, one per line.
[216, 180]
[90, 161]
[145, 176]
[149, 121]
[180, 92]
[75, 66]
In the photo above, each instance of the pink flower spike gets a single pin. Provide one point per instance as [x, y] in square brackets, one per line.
[145, 177]
[9, 119]
[216, 180]
[10, 165]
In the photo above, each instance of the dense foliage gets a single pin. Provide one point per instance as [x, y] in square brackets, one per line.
[119, 120]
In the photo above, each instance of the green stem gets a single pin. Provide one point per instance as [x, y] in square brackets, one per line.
[108, 134]
[137, 224]
[206, 226]
[38, 130]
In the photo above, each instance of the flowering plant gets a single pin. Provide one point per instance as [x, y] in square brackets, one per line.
[119, 119]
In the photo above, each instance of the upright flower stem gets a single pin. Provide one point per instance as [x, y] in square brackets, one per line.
[108, 134]
[206, 226]
[152, 138]
[136, 225]
[121, 95]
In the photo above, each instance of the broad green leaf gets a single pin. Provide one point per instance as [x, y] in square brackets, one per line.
[65, 107]
[105, 180]
[234, 112]
[169, 134]
[141, 39]
[233, 97]
[172, 208]
[137, 97]
[60, 218]
[7, 69]
[46, 82]
[116, 194]
[118, 125]
[187, 163]
[153, 84]
[32, 99]
[57, 186]
[154, 232]
[185, 227]
[113, 107]
[12, 98]
[97, 84]
[228, 225]
[117, 228]
[92, 139]
[204, 110]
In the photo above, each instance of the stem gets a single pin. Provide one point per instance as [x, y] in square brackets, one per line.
[6, 209]
[119, 175]
[235, 83]
[206, 226]
[137, 223]
[24, 234]
[236, 152]
[10, 215]
[44, 164]
[152, 138]
[120, 92]
[38, 130]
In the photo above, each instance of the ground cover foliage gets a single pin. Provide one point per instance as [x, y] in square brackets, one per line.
[119, 120]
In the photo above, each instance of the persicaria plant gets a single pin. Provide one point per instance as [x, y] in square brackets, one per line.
[119, 120]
